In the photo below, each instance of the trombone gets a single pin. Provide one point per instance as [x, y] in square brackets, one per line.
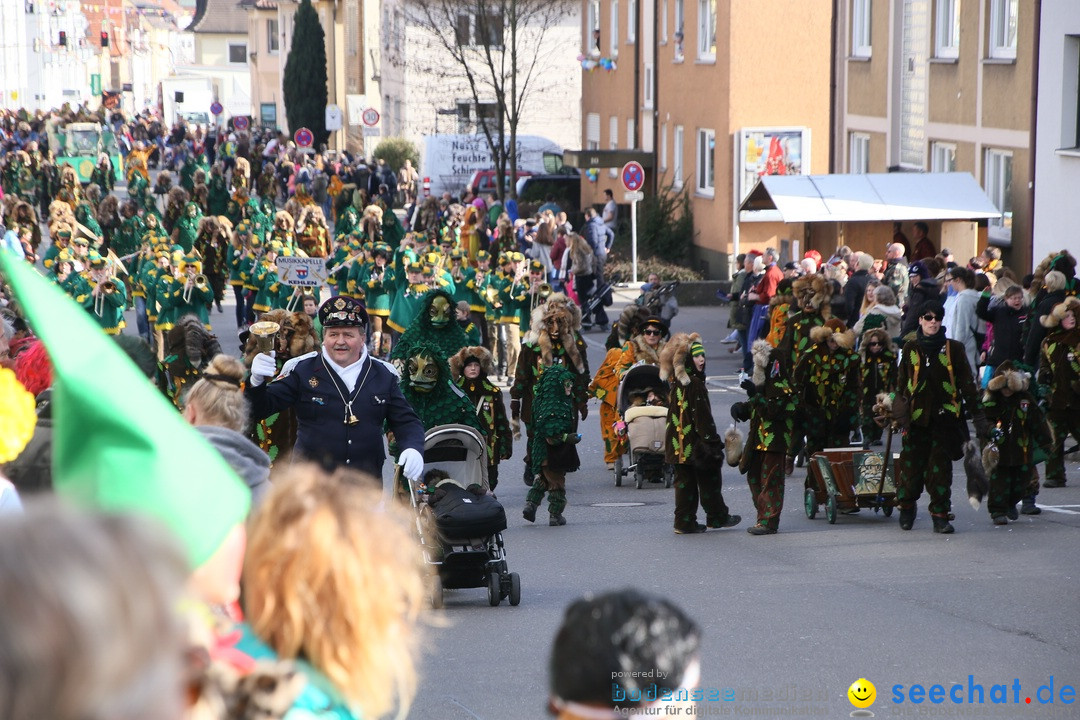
[200, 281]
[540, 294]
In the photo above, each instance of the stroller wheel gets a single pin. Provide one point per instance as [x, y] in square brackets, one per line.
[639, 476]
[436, 594]
[618, 471]
[515, 589]
[494, 590]
[669, 476]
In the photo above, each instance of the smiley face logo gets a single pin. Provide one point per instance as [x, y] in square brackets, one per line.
[862, 693]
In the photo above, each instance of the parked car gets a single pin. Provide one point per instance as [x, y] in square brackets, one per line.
[483, 181]
[564, 188]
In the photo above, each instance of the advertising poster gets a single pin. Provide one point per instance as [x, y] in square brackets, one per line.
[771, 151]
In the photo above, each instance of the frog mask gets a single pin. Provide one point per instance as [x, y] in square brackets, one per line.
[423, 372]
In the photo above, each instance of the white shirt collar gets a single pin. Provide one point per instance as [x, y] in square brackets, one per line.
[350, 373]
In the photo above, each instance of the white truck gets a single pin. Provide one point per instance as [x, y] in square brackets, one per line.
[450, 161]
[189, 98]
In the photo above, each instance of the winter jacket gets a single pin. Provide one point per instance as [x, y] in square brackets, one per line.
[854, 291]
[245, 457]
[1008, 343]
[1035, 333]
[962, 324]
[927, 289]
[883, 316]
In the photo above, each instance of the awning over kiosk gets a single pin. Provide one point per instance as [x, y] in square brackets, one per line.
[867, 198]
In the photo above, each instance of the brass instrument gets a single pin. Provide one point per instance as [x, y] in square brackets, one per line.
[296, 296]
[264, 333]
[200, 281]
[491, 295]
[540, 293]
[107, 287]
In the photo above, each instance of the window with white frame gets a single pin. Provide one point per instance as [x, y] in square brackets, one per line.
[663, 23]
[592, 27]
[1070, 97]
[630, 127]
[860, 28]
[614, 27]
[647, 87]
[706, 145]
[272, 43]
[238, 53]
[613, 141]
[859, 153]
[942, 157]
[677, 158]
[680, 18]
[592, 131]
[1004, 15]
[706, 49]
[997, 182]
[631, 21]
[663, 146]
[947, 29]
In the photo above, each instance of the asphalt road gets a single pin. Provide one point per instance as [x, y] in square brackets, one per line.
[790, 620]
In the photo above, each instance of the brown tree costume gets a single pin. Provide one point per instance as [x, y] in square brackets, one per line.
[277, 434]
[693, 445]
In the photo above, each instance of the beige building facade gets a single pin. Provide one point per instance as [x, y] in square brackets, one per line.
[940, 86]
[690, 76]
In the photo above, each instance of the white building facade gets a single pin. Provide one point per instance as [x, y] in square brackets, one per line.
[1056, 214]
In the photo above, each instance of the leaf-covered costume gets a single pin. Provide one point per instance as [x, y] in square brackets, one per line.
[432, 323]
[431, 392]
[771, 410]
[187, 227]
[552, 447]
[811, 295]
[936, 385]
[877, 374]
[487, 402]
[1059, 384]
[827, 385]
[692, 443]
[1021, 434]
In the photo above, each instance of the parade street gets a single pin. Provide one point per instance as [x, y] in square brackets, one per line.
[790, 620]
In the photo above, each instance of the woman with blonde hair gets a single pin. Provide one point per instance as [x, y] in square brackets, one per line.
[215, 405]
[333, 579]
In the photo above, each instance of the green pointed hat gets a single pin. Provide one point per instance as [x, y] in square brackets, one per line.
[118, 444]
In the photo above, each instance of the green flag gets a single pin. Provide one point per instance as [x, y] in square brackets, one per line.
[118, 444]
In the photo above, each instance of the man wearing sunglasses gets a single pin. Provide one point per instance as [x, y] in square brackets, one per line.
[935, 388]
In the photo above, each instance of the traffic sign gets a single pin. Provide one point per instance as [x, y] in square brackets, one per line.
[240, 122]
[633, 176]
[216, 108]
[303, 137]
[372, 132]
[633, 196]
[333, 117]
[370, 117]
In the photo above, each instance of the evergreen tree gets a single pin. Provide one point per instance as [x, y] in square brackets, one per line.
[304, 84]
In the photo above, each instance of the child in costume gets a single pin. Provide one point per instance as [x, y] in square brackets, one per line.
[693, 446]
[1019, 438]
[877, 375]
[470, 369]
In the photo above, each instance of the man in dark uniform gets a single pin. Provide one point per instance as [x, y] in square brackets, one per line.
[342, 396]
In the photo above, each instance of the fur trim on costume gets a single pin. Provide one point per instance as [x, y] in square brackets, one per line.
[813, 292]
[977, 483]
[835, 329]
[563, 318]
[644, 353]
[457, 361]
[1054, 317]
[673, 357]
[878, 334]
[297, 336]
[283, 220]
[630, 321]
[990, 458]
[733, 446]
[760, 351]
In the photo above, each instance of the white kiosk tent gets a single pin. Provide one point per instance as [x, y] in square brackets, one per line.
[858, 210]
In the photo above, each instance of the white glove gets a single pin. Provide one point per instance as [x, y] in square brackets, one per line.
[412, 463]
[263, 366]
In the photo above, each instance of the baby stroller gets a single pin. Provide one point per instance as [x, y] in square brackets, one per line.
[469, 552]
[646, 426]
[660, 300]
